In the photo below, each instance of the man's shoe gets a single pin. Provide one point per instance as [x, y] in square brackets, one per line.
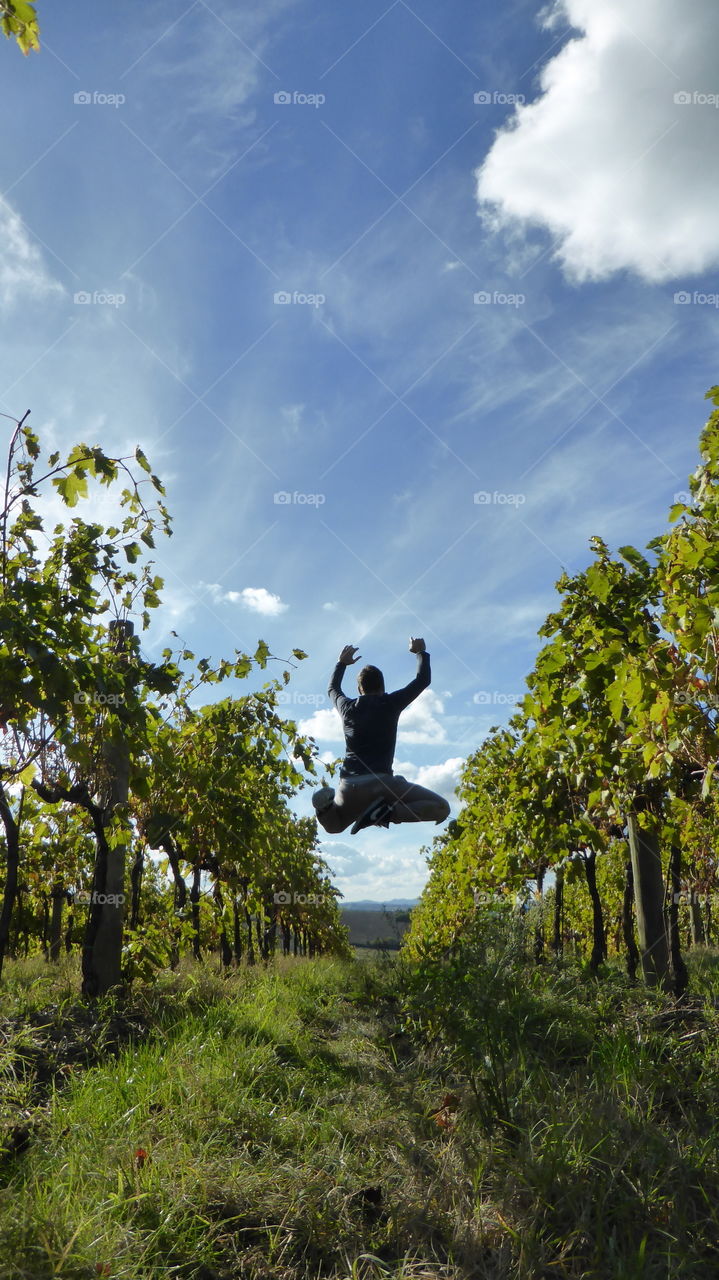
[323, 798]
[377, 814]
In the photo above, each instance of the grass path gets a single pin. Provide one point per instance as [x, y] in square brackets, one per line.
[281, 1124]
[273, 1125]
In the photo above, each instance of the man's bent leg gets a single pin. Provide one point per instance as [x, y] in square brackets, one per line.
[352, 798]
[414, 803]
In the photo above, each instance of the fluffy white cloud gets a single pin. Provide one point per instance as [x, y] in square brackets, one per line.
[379, 872]
[257, 599]
[442, 778]
[419, 722]
[617, 157]
[22, 270]
[345, 860]
[325, 725]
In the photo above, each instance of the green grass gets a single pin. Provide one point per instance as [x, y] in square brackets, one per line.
[277, 1128]
[288, 1116]
[592, 1111]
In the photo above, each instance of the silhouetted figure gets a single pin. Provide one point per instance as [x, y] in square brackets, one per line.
[369, 793]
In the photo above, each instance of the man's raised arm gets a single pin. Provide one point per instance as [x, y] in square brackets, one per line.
[334, 690]
[402, 697]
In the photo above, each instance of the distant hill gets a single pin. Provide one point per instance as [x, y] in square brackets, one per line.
[373, 924]
[394, 904]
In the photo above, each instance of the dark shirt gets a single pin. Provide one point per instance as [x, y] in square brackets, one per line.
[370, 720]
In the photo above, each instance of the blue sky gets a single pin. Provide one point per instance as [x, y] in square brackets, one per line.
[482, 302]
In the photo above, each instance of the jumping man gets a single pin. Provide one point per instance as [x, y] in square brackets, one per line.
[369, 793]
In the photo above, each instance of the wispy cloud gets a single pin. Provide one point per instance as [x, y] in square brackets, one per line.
[204, 74]
[23, 273]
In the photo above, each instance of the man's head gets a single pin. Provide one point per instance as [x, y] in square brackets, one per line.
[370, 680]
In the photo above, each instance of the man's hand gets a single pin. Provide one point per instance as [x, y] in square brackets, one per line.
[416, 645]
[347, 655]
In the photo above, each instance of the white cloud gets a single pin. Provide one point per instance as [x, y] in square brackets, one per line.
[256, 599]
[419, 722]
[344, 859]
[605, 159]
[442, 778]
[380, 874]
[325, 725]
[22, 271]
